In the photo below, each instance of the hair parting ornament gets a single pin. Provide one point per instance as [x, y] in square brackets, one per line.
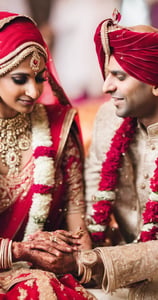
[35, 61]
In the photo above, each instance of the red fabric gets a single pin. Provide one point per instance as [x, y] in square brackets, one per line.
[14, 33]
[11, 221]
[64, 288]
[18, 32]
[136, 52]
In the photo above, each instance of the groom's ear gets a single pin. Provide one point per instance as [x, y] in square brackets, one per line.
[155, 90]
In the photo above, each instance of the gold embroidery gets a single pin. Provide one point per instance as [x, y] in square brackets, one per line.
[43, 281]
[10, 278]
[8, 19]
[30, 283]
[64, 132]
[74, 180]
[9, 62]
[15, 186]
[45, 288]
[85, 293]
[23, 294]
[35, 61]
[15, 136]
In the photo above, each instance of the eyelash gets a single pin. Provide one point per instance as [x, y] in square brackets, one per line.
[23, 80]
[40, 79]
[121, 78]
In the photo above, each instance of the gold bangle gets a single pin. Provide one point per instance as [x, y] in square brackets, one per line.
[86, 260]
[87, 274]
[5, 254]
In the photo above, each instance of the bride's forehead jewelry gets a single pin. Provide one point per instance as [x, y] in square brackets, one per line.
[35, 61]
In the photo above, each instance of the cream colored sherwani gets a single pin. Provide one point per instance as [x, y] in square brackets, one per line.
[130, 263]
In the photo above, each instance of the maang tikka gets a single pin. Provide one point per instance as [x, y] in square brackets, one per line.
[35, 61]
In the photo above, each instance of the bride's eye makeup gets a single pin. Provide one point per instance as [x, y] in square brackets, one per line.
[19, 78]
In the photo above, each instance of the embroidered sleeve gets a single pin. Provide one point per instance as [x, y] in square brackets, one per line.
[128, 264]
[73, 177]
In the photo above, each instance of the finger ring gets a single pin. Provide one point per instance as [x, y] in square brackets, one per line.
[51, 238]
[55, 239]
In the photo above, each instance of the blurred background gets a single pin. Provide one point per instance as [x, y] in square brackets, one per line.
[68, 27]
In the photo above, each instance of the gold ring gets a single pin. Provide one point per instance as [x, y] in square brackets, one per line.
[51, 238]
[55, 239]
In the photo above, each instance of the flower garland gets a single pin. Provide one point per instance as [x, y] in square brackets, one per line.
[44, 171]
[105, 196]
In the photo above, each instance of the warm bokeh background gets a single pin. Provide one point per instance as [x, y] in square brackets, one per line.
[68, 27]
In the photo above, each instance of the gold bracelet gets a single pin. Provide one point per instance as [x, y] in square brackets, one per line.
[86, 260]
[87, 274]
[6, 254]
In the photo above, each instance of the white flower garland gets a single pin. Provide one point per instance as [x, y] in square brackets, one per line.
[44, 171]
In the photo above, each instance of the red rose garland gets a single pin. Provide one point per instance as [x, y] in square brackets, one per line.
[104, 198]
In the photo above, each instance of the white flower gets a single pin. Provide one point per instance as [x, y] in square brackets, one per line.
[153, 196]
[148, 226]
[104, 195]
[44, 171]
[96, 228]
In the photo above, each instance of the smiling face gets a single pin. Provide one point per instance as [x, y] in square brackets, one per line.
[130, 96]
[20, 88]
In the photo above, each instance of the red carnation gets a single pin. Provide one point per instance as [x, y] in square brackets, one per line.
[98, 237]
[154, 183]
[102, 212]
[151, 212]
[149, 235]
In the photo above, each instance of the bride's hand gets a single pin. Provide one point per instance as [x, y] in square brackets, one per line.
[56, 241]
[58, 262]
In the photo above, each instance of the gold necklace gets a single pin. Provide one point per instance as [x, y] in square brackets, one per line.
[15, 136]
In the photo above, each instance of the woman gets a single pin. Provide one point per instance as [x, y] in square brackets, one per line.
[41, 188]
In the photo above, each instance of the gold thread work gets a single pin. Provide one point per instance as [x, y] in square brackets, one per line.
[35, 61]
[15, 136]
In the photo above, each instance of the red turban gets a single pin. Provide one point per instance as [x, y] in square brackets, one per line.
[134, 48]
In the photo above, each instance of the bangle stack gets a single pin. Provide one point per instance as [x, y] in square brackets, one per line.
[86, 261]
[5, 254]
[86, 273]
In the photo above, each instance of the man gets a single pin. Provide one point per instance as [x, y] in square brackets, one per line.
[129, 62]
[122, 168]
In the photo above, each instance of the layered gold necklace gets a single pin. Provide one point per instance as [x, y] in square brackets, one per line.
[15, 137]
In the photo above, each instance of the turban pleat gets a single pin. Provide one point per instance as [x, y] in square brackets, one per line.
[136, 52]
